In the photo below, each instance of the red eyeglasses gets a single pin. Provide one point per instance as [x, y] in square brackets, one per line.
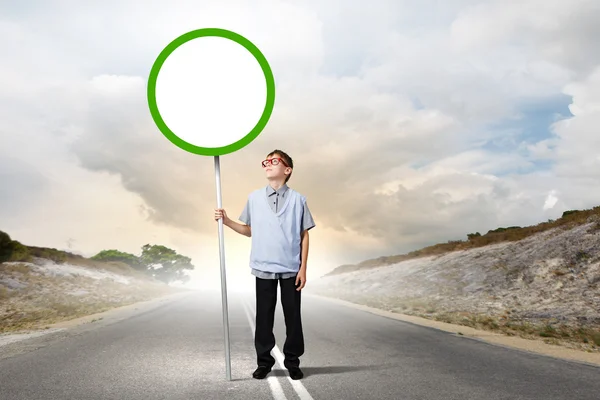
[273, 161]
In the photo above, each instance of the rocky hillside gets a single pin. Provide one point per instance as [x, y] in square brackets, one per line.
[43, 291]
[545, 284]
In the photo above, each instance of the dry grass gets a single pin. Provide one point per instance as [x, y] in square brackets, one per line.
[43, 299]
[569, 220]
[7, 269]
[27, 253]
[570, 335]
[567, 334]
[112, 266]
[48, 299]
[5, 293]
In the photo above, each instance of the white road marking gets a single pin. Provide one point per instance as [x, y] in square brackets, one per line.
[297, 385]
[274, 384]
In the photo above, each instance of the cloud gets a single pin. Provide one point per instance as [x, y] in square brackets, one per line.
[21, 183]
[555, 33]
[395, 115]
[577, 141]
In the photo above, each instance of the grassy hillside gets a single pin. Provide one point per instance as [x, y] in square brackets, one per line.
[40, 286]
[541, 281]
[568, 220]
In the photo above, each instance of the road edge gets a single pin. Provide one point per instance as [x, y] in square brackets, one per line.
[144, 304]
[533, 346]
[89, 321]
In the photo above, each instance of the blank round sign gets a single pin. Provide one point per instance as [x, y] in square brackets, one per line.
[211, 91]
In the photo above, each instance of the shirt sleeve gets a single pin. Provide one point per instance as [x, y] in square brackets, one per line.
[307, 219]
[245, 216]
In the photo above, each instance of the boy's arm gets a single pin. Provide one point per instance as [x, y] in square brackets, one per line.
[306, 224]
[304, 249]
[243, 228]
[239, 228]
[301, 277]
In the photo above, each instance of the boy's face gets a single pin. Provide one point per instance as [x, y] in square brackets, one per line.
[276, 172]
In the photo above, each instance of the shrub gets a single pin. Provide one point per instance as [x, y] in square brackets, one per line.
[6, 247]
[548, 331]
[55, 255]
[471, 236]
[120, 257]
[20, 252]
[581, 255]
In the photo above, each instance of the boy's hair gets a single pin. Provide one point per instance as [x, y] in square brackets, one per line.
[288, 160]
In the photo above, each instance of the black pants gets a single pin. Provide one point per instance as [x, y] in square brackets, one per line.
[264, 339]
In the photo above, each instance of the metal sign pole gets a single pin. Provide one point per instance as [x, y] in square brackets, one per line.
[223, 275]
[198, 137]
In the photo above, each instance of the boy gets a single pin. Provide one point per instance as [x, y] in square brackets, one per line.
[277, 219]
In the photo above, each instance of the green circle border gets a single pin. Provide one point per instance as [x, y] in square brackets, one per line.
[211, 151]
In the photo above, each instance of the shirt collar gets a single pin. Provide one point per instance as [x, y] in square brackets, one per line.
[281, 190]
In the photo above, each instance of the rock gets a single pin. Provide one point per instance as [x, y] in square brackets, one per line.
[466, 280]
[12, 283]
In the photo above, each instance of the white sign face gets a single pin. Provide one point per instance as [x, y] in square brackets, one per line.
[211, 93]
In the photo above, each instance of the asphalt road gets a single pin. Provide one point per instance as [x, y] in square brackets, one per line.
[176, 351]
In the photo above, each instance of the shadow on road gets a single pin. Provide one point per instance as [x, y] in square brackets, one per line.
[332, 369]
[318, 371]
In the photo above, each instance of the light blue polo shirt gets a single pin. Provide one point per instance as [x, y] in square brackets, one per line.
[275, 254]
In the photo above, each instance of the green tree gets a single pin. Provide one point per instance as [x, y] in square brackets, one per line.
[165, 264]
[115, 255]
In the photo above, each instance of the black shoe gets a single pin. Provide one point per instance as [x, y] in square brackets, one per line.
[295, 373]
[261, 372]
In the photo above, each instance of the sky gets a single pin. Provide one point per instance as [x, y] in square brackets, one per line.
[409, 123]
